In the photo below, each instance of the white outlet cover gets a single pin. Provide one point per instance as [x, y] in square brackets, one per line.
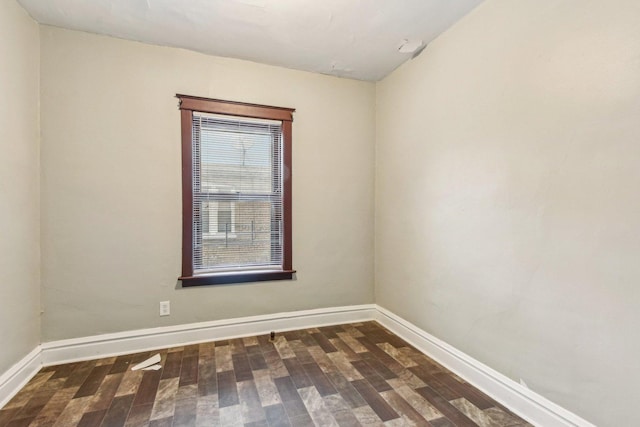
[165, 308]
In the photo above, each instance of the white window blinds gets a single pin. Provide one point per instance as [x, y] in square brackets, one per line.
[237, 193]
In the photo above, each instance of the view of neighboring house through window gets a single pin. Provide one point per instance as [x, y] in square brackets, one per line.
[205, 217]
[224, 218]
[236, 192]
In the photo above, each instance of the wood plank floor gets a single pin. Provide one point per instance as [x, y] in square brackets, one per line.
[349, 375]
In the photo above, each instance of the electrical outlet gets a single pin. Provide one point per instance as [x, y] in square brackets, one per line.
[165, 308]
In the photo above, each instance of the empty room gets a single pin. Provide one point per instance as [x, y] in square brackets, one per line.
[330, 213]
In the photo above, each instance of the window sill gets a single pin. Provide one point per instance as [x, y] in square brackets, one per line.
[236, 277]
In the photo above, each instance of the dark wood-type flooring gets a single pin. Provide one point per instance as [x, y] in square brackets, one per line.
[349, 375]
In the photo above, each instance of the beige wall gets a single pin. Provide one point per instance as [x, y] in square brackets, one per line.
[507, 197]
[19, 185]
[111, 192]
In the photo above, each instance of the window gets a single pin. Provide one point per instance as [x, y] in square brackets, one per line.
[236, 192]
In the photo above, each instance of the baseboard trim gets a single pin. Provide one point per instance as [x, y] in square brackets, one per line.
[527, 404]
[522, 401]
[19, 375]
[108, 345]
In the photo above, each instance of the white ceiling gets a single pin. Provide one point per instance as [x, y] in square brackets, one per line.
[351, 38]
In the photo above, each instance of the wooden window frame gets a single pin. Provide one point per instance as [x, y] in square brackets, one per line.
[190, 104]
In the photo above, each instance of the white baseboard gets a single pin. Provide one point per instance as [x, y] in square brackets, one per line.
[107, 345]
[522, 401]
[519, 399]
[19, 375]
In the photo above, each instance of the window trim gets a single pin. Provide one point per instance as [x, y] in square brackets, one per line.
[187, 105]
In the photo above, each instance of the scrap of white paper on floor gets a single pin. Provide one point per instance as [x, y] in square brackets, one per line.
[152, 368]
[153, 360]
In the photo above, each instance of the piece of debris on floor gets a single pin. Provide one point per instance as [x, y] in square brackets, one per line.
[149, 364]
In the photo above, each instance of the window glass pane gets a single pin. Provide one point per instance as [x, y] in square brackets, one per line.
[252, 239]
[236, 161]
